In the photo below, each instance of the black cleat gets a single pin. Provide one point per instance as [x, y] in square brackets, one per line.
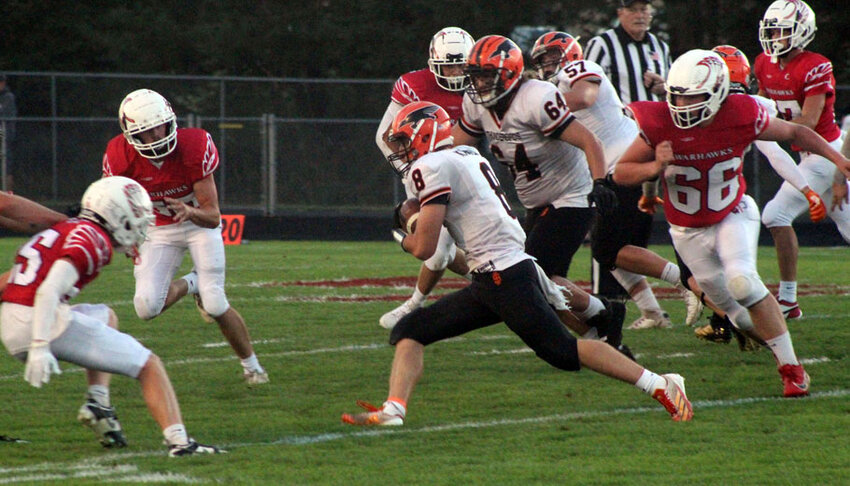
[191, 448]
[104, 422]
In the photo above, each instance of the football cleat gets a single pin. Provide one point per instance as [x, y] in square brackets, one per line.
[255, 377]
[745, 342]
[373, 416]
[103, 421]
[791, 310]
[391, 318]
[659, 319]
[718, 330]
[192, 447]
[204, 314]
[673, 397]
[795, 380]
[693, 306]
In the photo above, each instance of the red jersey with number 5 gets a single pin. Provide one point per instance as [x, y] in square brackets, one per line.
[84, 243]
[173, 176]
[421, 85]
[808, 74]
[704, 182]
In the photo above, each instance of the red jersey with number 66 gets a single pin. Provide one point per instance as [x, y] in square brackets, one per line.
[704, 182]
[808, 74]
[172, 176]
[84, 243]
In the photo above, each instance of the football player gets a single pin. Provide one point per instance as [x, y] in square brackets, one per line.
[176, 165]
[457, 188]
[558, 165]
[695, 141]
[719, 327]
[442, 83]
[617, 241]
[803, 86]
[39, 326]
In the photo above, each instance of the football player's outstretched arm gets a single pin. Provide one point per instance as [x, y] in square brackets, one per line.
[422, 243]
[811, 111]
[461, 137]
[642, 163]
[805, 138]
[20, 214]
[578, 135]
[207, 214]
[384, 127]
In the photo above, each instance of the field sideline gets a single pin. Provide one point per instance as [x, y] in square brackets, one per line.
[487, 411]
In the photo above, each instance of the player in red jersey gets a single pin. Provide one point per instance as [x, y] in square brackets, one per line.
[176, 167]
[443, 84]
[38, 325]
[696, 142]
[803, 86]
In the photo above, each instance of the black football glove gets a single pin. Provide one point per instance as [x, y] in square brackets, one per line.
[602, 196]
[397, 216]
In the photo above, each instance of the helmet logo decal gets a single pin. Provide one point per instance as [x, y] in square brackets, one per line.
[425, 113]
[708, 62]
[132, 191]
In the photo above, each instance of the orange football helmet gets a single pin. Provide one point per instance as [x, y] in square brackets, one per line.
[418, 129]
[739, 68]
[494, 68]
[564, 44]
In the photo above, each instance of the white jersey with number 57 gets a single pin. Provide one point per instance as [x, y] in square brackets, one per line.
[546, 169]
[605, 117]
[478, 216]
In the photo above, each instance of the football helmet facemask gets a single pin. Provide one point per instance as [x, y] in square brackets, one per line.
[143, 110]
[697, 72]
[450, 47]
[418, 129]
[739, 68]
[494, 68]
[565, 45]
[122, 207]
[796, 21]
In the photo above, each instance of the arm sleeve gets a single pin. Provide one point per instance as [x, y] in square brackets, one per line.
[386, 121]
[782, 163]
[59, 281]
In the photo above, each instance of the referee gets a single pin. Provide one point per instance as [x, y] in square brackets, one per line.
[636, 62]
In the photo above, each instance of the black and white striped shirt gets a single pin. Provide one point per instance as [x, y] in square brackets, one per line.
[625, 60]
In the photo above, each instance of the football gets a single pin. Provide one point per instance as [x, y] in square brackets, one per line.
[408, 214]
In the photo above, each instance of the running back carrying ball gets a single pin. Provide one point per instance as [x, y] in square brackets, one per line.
[406, 215]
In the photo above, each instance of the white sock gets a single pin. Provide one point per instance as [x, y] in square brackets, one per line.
[393, 407]
[418, 297]
[671, 273]
[782, 349]
[595, 306]
[251, 363]
[649, 382]
[646, 301]
[100, 394]
[175, 434]
[788, 291]
[191, 279]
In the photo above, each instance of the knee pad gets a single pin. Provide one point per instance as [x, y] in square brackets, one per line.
[774, 215]
[215, 301]
[627, 279]
[741, 319]
[148, 307]
[443, 255]
[747, 289]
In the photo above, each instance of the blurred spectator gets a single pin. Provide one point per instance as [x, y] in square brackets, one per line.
[8, 113]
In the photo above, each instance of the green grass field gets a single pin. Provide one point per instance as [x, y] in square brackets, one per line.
[487, 410]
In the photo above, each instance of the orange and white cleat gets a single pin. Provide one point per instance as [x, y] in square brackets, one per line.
[673, 397]
[374, 416]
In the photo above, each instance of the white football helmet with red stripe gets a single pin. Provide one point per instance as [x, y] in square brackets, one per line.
[122, 207]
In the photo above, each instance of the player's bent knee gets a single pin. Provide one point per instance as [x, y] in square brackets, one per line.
[773, 215]
[147, 308]
[441, 258]
[742, 320]
[564, 357]
[747, 289]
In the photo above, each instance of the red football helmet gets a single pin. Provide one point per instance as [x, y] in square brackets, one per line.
[494, 68]
[419, 128]
[562, 49]
[739, 68]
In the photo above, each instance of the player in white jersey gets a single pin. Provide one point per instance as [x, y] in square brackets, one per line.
[618, 241]
[457, 188]
[558, 165]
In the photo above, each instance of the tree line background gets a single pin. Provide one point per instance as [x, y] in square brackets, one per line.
[342, 38]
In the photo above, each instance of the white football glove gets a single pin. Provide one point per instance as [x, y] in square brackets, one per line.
[40, 364]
